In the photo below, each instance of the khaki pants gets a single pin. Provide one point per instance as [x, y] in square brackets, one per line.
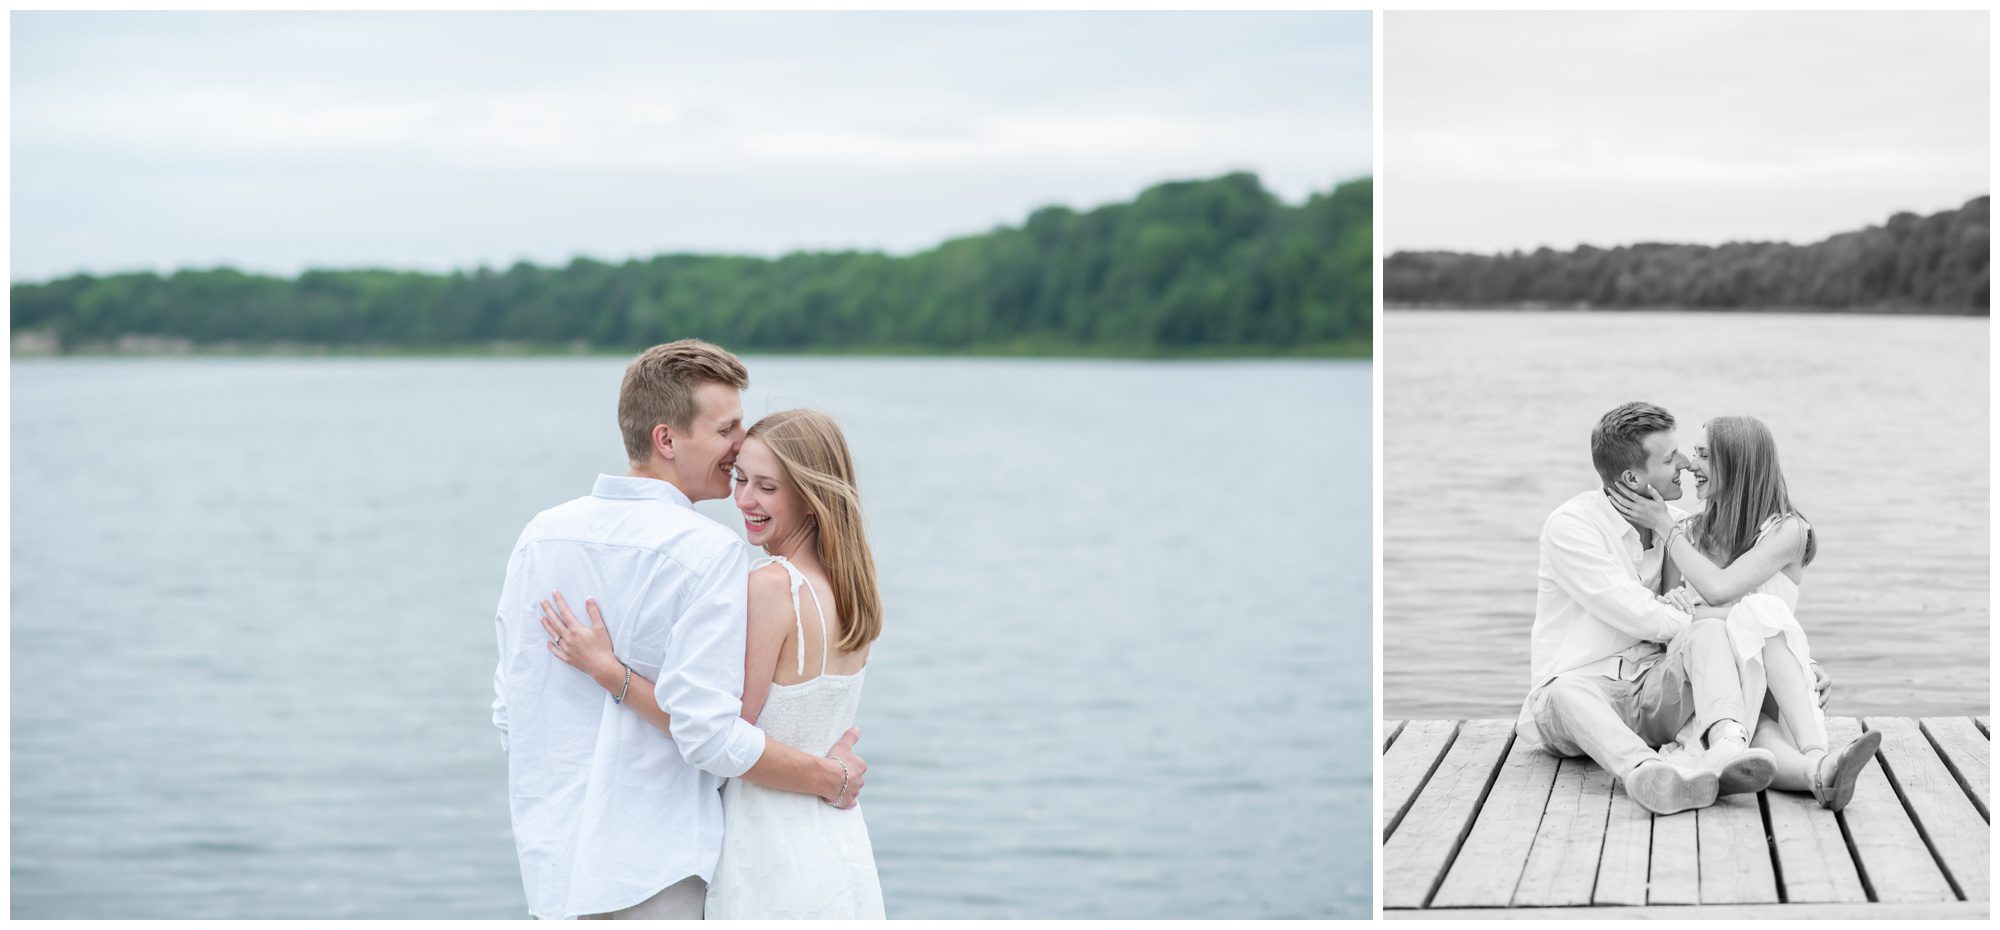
[681, 900]
[1618, 723]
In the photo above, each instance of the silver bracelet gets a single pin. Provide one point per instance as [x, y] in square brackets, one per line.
[620, 699]
[843, 785]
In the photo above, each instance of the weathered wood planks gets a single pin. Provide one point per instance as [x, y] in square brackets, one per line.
[1562, 866]
[1408, 763]
[1624, 869]
[1814, 863]
[1676, 862]
[1489, 865]
[1956, 910]
[1735, 859]
[1964, 750]
[1894, 862]
[1937, 803]
[1415, 856]
[1475, 825]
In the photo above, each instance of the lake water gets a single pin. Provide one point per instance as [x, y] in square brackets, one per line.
[1881, 426]
[1125, 670]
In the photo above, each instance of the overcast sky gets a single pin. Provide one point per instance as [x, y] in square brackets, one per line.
[276, 142]
[1513, 131]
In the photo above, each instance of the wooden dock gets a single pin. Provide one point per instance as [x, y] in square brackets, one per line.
[1475, 826]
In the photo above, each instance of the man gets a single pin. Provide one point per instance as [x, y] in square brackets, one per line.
[1618, 668]
[611, 816]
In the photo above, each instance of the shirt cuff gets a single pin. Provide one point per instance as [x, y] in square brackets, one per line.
[741, 751]
[1677, 623]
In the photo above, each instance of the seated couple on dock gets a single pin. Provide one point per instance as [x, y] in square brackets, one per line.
[704, 765]
[1665, 645]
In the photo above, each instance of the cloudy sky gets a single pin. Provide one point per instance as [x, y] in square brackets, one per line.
[276, 142]
[1513, 131]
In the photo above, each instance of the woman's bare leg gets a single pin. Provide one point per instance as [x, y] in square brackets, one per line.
[1797, 705]
[1804, 762]
[1795, 769]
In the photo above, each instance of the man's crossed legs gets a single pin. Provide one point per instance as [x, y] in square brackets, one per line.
[1618, 723]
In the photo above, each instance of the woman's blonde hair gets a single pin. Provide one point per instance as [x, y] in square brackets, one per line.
[1750, 489]
[810, 448]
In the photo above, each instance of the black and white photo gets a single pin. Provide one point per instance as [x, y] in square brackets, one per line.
[1685, 473]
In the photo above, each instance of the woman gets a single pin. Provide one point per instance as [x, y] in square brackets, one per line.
[1748, 549]
[783, 854]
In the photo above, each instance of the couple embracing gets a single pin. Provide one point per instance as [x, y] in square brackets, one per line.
[686, 748]
[1666, 646]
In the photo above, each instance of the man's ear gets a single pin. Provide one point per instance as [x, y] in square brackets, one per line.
[1630, 479]
[663, 441]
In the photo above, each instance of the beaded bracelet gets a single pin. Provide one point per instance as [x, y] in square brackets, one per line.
[843, 785]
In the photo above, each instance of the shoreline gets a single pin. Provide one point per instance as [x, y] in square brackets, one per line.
[1355, 350]
[1538, 307]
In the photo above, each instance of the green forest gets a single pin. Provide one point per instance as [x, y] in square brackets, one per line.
[1912, 264]
[1218, 266]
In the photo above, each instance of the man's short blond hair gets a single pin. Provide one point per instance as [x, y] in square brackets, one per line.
[660, 386]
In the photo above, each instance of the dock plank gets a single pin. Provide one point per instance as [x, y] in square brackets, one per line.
[1956, 910]
[1562, 865]
[1489, 865]
[1628, 842]
[1409, 763]
[1814, 863]
[1480, 827]
[1894, 862]
[1735, 857]
[1938, 805]
[1676, 877]
[1416, 855]
[1965, 751]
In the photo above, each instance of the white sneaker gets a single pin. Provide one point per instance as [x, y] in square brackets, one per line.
[1740, 769]
[1658, 786]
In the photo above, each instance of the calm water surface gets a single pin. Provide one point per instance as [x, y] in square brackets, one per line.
[252, 635]
[1881, 425]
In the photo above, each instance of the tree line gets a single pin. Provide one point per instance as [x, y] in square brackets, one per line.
[1185, 266]
[1931, 264]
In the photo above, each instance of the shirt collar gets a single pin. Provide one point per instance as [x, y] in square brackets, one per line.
[1605, 513]
[629, 487]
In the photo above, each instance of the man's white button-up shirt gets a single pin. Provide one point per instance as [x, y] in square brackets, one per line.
[1595, 610]
[607, 809]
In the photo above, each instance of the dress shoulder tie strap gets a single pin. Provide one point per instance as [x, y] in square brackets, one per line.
[1777, 519]
[798, 617]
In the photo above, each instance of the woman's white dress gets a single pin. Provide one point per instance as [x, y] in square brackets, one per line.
[788, 855]
[1770, 610]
